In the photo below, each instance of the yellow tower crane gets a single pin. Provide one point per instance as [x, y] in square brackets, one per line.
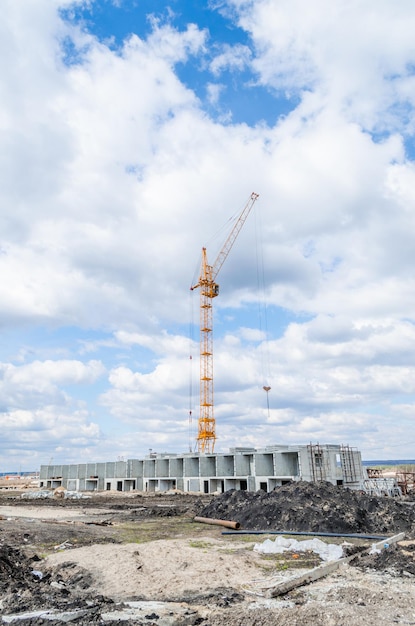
[209, 289]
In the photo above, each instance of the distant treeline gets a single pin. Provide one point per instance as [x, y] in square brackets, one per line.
[398, 462]
[19, 473]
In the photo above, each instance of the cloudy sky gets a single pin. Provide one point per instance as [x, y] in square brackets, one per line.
[132, 133]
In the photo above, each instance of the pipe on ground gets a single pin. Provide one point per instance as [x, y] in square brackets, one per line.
[306, 534]
[218, 522]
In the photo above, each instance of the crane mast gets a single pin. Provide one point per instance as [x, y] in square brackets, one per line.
[209, 289]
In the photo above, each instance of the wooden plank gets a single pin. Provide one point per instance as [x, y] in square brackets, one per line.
[326, 568]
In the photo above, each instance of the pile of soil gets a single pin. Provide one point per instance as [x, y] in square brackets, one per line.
[398, 560]
[27, 593]
[314, 507]
[15, 570]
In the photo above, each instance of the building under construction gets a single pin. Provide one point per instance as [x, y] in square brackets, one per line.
[241, 469]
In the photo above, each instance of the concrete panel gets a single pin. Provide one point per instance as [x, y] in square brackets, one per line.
[305, 469]
[91, 484]
[151, 485]
[91, 470]
[167, 484]
[162, 468]
[135, 468]
[176, 468]
[192, 484]
[82, 472]
[100, 470]
[243, 464]
[149, 468]
[286, 464]
[121, 469]
[225, 465]
[110, 469]
[191, 467]
[217, 485]
[264, 464]
[72, 471]
[57, 471]
[207, 466]
[231, 483]
[130, 484]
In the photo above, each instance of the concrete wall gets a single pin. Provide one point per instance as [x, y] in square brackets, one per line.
[240, 469]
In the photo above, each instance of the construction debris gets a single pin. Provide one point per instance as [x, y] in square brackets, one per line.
[323, 570]
[218, 522]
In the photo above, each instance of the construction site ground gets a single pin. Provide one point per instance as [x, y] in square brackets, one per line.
[113, 558]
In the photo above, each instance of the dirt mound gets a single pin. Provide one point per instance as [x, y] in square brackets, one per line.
[16, 570]
[313, 507]
[398, 559]
[27, 592]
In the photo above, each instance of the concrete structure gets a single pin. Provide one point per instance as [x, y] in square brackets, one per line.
[241, 468]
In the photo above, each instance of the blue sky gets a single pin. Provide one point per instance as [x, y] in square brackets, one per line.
[243, 99]
[132, 132]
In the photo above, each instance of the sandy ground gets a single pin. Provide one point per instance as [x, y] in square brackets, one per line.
[53, 513]
[165, 569]
[174, 570]
[169, 570]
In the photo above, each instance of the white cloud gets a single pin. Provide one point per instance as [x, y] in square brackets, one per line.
[53, 372]
[355, 56]
[231, 58]
[161, 344]
[112, 178]
[214, 91]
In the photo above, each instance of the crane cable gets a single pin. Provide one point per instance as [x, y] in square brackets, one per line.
[262, 308]
[191, 344]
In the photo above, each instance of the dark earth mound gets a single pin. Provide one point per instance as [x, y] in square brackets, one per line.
[313, 507]
[27, 593]
[398, 560]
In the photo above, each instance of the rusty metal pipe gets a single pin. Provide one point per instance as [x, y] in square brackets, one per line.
[218, 522]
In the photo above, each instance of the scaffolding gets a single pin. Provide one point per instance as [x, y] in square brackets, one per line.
[319, 463]
[351, 473]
